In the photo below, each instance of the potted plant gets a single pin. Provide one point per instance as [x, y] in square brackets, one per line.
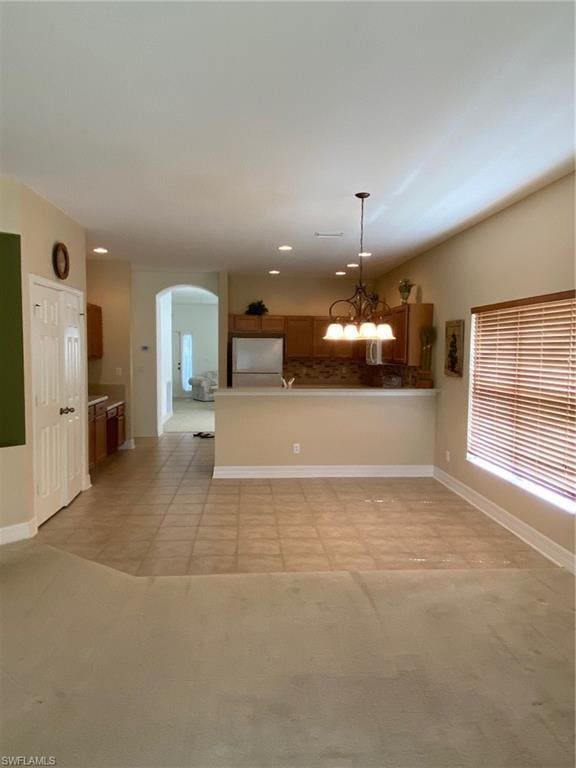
[404, 288]
[257, 308]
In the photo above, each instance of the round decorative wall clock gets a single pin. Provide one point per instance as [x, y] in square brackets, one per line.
[60, 260]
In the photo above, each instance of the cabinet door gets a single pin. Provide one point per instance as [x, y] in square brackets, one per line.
[100, 428]
[400, 327]
[273, 323]
[91, 437]
[321, 347]
[299, 336]
[388, 346]
[246, 322]
[94, 331]
[121, 429]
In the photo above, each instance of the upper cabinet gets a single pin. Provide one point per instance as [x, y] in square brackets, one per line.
[341, 349]
[407, 322]
[94, 331]
[257, 323]
[299, 336]
[304, 335]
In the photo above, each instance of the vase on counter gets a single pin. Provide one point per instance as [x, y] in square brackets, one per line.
[404, 288]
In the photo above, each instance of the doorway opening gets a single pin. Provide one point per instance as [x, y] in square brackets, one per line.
[187, 350]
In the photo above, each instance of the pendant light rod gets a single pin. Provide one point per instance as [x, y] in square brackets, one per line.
[361, 196]
[365, 312]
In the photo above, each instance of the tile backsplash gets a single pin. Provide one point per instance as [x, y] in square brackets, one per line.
[327, 371]
[331, 372]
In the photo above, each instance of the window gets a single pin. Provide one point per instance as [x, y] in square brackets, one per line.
[186, 361]
[521, 422]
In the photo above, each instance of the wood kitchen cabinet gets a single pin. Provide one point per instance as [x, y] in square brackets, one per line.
[91, 436]
[100, 436]
[272, 323]
[257, 323]
[323, 348]
[121, 425]
[249, 323]
[299, 336]
[407, 321]
[94, 339]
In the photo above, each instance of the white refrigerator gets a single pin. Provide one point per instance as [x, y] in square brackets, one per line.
[257, 362]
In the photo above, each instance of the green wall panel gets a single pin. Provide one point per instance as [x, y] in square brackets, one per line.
[12, 422]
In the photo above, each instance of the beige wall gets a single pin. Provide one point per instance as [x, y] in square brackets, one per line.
[223, 303]
[525, 250]
[146, 284]
[40, 225]
[109, 284]
[284, 295]
[351, 430]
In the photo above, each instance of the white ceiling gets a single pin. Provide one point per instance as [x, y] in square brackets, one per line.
[206, 134]
[189, 294]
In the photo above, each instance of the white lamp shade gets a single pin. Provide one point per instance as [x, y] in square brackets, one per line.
[334, 332]
[350, 332]
[368, 331]
[384, 332]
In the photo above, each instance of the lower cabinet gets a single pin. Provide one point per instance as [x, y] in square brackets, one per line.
[100, 442]
[121, 426]
[106, 431]
[91, 436]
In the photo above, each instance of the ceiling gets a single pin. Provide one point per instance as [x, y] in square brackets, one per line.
[191, 294]
[207, 134]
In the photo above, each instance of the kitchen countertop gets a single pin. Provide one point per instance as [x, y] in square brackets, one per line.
[95, 399]
[114, 404]
[323, 392]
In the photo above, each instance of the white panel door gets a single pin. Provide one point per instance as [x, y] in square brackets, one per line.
[49, 438]
[73, 391]
[177, 365]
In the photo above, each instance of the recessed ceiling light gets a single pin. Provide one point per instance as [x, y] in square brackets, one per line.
[352, 266]
[273, 271]
[100, 250]
[284, 247]
[364, 254]
[340, 272]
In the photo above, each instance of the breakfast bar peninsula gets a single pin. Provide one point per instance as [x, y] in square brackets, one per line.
[324, 432]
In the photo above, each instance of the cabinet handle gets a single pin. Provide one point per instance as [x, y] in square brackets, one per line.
[71, 410]
[63, 411]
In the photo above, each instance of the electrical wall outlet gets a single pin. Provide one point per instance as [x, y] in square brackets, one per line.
[295, 447]
[448, 457]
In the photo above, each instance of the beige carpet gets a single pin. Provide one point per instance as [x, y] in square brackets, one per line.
[191, 416]
[438, 669]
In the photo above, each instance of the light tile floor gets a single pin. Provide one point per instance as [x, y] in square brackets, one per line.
[156, 511]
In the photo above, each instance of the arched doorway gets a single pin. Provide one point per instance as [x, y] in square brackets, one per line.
[187, 358]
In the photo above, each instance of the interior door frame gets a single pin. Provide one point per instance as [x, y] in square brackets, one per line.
[37, 280]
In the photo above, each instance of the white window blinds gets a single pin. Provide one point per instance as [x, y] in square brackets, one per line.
[522, 417]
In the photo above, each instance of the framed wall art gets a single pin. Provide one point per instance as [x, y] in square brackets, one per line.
[454, 348]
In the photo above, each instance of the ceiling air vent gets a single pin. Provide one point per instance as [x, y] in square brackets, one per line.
[328, 234]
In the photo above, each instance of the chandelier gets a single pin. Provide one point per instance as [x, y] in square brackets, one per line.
[362, 314]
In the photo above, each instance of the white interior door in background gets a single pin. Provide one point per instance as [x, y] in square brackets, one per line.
[182, 369]
[176, 365]
[58, 397]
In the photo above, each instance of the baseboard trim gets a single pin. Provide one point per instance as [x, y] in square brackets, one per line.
[550, 549]
[328, 470]
[127, 445]
[11, 533]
